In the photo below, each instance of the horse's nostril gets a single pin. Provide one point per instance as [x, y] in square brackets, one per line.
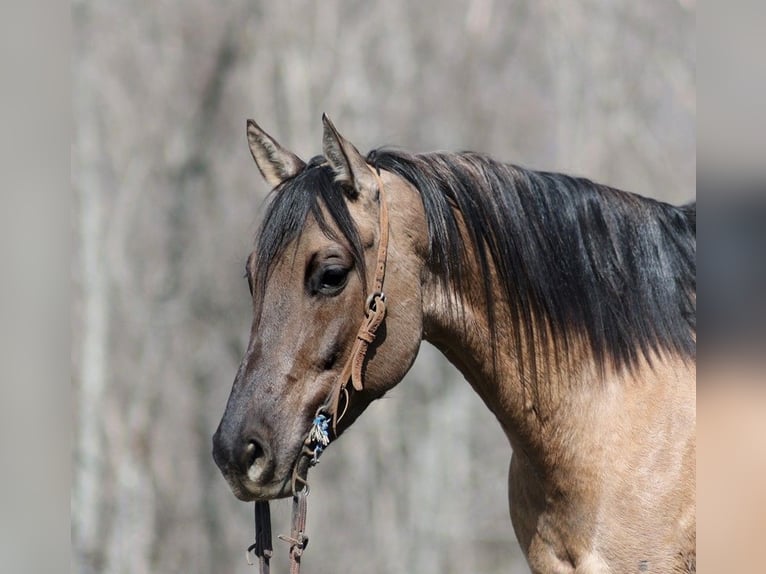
[253, 452]
[257, 462]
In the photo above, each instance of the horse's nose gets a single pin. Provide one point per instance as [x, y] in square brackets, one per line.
[245, 455]
[252, 453]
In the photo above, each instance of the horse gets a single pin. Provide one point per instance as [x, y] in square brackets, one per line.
[568, 306]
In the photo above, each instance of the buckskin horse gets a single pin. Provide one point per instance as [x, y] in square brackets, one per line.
[569, 307]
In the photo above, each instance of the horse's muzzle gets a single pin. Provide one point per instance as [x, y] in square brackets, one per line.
[244, 460]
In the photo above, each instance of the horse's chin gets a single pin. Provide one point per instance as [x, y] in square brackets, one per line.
[278, 487]
[249, 492]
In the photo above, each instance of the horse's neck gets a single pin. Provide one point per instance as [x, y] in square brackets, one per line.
[523, 403]
[554, 415]
[458, 325]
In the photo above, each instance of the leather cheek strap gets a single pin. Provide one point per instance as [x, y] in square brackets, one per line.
[375, 313]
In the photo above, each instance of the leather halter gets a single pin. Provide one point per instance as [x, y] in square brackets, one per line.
[375, 313]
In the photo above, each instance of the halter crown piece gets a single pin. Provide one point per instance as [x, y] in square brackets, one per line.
[328, 414]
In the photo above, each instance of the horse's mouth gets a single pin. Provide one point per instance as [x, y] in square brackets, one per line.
[248, 491]
[268, 485]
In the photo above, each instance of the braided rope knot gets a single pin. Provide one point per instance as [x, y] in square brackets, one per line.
[297, 544]
[300, 543]
[366, 336]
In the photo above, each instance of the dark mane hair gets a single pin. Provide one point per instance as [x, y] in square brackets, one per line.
[612, 268]
[286, 215]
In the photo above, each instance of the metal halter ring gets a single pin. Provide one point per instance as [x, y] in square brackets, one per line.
[373, 298]
[306, 489]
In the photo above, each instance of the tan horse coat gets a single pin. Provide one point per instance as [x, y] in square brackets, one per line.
[602, 476]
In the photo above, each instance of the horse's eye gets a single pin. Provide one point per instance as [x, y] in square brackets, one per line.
[332, 280]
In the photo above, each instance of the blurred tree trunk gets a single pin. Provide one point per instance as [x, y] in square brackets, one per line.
[92, 362]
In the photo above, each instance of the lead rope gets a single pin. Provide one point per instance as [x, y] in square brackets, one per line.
[262, 546]
[319, 436]
[297, 539]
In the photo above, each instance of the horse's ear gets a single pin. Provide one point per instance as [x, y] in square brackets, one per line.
[275, 162]
[350, 167]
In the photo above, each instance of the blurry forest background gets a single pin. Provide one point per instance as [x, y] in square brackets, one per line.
[167, 200]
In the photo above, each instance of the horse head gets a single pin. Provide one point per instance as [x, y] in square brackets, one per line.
[311, 275]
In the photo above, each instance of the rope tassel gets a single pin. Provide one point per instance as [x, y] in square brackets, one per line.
[319, 433]
[319, 436]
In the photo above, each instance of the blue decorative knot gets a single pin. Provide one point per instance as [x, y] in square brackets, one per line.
[319, 436]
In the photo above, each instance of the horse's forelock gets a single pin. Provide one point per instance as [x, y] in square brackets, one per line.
[313, 192]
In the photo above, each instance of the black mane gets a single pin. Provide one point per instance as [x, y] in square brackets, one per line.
[614, 269]
[286, 216]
